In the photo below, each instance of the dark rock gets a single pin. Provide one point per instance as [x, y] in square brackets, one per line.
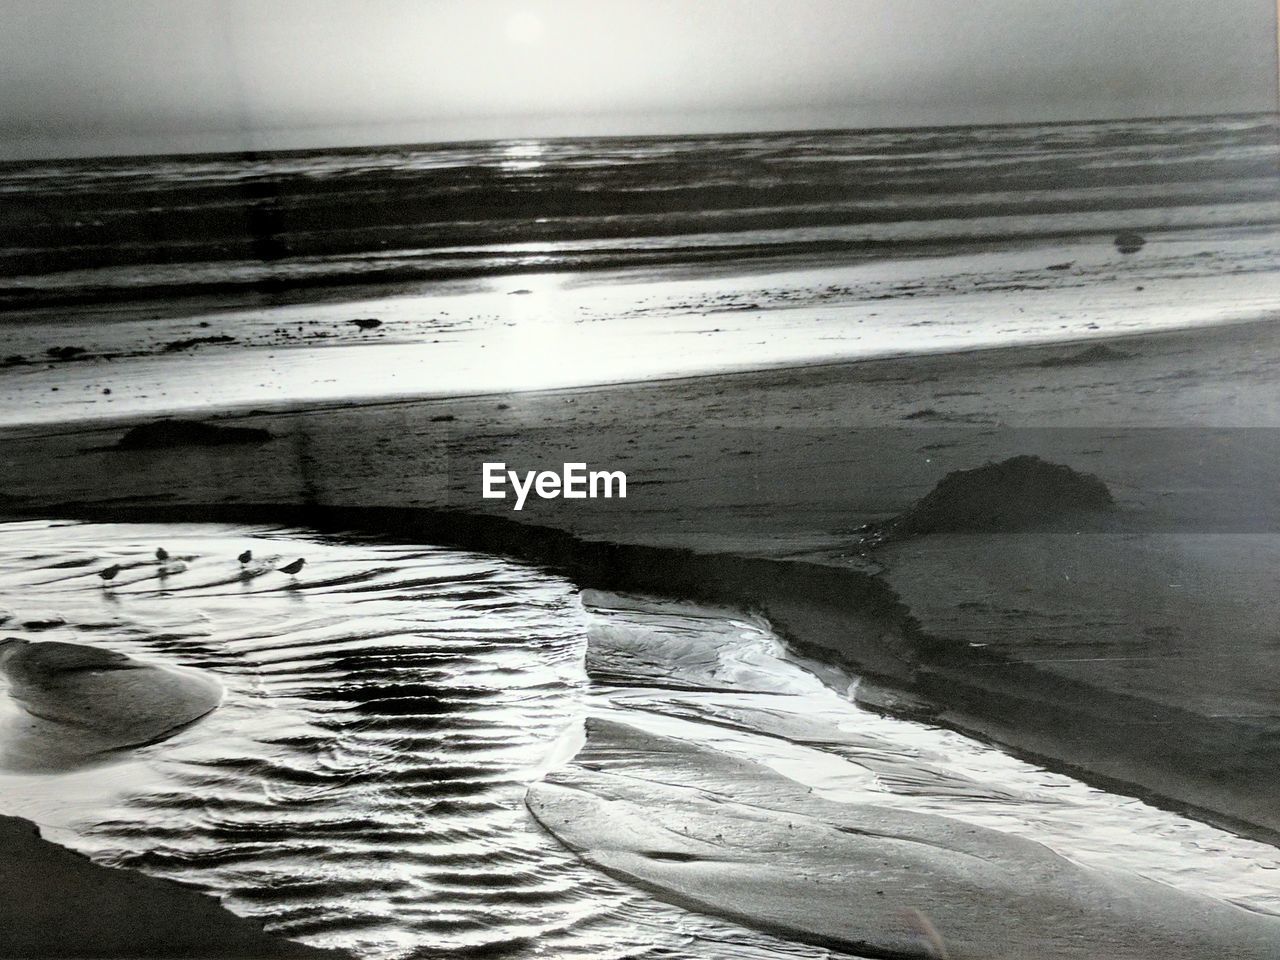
[161, 434]
[1062, 266]
[1017, 493]
[14, 360]
[367, 323]
[175, 345]
[444, 418]
[1130, 242]
[1099, 353]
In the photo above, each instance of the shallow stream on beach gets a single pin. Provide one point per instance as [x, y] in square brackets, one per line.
[362, 784]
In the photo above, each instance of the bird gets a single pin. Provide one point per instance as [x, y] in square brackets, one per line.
[162, 554]
[110, 572]
[246, 556]
[168, 568]
[294, 567]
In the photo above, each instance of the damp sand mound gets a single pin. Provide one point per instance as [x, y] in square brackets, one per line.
[1099, 353]
[729, 837]
[1015, 494]
[163, 434]
[67, 704]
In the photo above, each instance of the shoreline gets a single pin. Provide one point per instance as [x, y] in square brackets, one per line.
[902, 670]
[287, 408]
[805, 455]
[653, 327]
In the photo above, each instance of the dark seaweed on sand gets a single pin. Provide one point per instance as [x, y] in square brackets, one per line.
[162, 434]
[177, 345]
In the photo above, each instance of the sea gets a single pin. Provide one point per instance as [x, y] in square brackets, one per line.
[362, 785]
[526, 264]
[80, 231]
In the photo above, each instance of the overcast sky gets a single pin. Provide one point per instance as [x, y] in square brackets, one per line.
[105, 76]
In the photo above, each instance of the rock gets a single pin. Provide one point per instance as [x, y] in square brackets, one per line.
[1017, 493]
[14, 360]
[367, 323]
[1095, 354]
[1130, 242]
[162, 434]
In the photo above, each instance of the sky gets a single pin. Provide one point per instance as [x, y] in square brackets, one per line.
[89, 77]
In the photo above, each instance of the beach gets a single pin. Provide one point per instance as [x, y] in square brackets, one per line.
[704, 718]
[1093, 645]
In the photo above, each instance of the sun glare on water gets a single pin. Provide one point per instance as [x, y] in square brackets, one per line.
[522, 155]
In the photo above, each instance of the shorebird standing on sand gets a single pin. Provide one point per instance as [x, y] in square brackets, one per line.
[292, 568]
[245, 557]
[110, 572]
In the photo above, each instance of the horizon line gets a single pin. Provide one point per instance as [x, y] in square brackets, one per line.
[393, 144]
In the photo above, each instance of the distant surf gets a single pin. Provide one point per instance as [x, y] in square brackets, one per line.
[89, 231]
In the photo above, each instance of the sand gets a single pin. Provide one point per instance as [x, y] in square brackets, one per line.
[731, 837]
[69, 705]
[1134, 650]
[56, 904]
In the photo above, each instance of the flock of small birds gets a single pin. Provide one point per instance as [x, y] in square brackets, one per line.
[164, 557]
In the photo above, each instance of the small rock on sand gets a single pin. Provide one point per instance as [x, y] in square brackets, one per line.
[367, 323]
[1130, 242]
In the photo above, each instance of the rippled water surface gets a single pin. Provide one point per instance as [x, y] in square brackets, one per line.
[362, 784]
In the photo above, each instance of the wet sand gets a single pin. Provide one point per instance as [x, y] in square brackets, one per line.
[1114, 649]
[409, 697]
[55, 903]
[725, 836]
[516, 333]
